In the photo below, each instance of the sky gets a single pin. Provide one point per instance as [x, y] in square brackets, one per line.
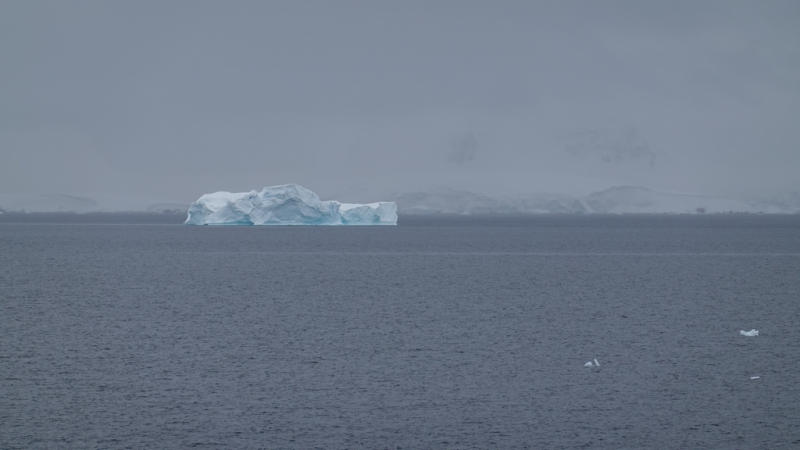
[173, 99]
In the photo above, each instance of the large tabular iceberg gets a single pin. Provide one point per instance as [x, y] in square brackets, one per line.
[289, 204]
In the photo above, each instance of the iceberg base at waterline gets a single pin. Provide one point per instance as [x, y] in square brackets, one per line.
[288, 204]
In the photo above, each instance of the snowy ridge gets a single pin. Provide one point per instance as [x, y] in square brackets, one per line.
[639, 200]
[48, 203]
[442, 200]
[615, 200]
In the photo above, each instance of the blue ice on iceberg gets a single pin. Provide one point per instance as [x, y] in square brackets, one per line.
[288, 204]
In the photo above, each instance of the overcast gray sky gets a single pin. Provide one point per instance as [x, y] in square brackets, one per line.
[174, 99]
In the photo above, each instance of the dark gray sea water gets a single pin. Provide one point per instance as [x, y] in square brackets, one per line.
[438, 333]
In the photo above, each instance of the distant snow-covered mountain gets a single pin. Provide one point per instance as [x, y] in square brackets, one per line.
[786, 199]
[35, 203]
[615, 200]
[46, 203]
[168, 208]
[639, 200]
[443, 200]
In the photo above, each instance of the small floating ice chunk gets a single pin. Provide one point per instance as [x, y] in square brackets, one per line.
[589, 364]
[596, 363]
[753, 378]
[752, 332]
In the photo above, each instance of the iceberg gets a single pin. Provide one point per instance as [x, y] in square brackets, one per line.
[288, 204]
[379, 213]
[750, 333]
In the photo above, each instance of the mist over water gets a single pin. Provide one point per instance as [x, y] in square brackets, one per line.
[442, 332]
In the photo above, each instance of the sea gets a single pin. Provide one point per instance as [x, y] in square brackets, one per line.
[133, 331]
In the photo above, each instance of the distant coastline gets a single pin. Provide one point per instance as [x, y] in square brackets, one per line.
[170, 217]
[430, 219]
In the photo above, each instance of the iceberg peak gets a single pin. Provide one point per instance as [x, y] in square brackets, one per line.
[288, 204]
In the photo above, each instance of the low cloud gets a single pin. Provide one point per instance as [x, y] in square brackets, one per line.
[463, 149]
[610, 148]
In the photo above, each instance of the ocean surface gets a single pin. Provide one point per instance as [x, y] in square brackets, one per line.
[439, 333]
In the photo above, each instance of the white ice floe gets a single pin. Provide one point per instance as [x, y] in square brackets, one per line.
[753, 332]
[753, 378]
[589, 364]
